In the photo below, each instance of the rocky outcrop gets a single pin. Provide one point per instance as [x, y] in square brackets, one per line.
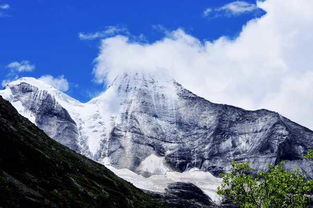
[47, 113]
[184, 195]
[187, 195]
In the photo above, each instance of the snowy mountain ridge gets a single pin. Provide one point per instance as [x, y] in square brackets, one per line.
[96, 118]
[149, 125]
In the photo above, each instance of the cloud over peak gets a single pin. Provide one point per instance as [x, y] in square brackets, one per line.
[59, 82]
[17, 67]
[270, 64]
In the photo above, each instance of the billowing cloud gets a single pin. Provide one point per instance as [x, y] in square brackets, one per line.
[234, 8]
[109, 31]
[22, 66]
[59, 83]
[269, 65]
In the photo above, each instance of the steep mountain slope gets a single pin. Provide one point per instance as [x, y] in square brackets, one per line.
[160, 117]
[40, 104]
[36, 171]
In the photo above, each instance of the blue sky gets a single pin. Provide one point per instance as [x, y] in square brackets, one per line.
[46, 32]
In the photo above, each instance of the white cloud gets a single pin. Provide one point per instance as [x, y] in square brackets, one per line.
[59, 83]
[22, 66]
[25, 66]
[109, 31]
[234, 8]
[270, 64]
[207, 12]
[4, 6]
[15, 68]
[238, 7]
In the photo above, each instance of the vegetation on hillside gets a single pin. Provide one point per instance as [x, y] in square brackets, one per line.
[309, 155]
[275, 187]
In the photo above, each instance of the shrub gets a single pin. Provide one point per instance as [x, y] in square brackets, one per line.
[275, 187]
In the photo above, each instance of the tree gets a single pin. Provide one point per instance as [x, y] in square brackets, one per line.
[275, 187]
[309, 154]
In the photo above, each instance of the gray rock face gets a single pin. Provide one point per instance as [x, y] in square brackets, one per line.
[184, 195]
[143, 114]
[187, 195]
[49, 115]
[165, 119]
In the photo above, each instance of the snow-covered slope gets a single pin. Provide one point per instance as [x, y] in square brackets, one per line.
[152, 126]
[47, 107]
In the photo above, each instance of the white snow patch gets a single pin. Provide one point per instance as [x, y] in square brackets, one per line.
[153, 165]
[17, 104]
[158, 183]
[162, 176]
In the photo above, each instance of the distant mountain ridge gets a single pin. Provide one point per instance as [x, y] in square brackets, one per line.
[147, 119]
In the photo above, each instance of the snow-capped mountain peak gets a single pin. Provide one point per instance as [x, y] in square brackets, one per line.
[147, 119]
[43, 87]
[94, 120]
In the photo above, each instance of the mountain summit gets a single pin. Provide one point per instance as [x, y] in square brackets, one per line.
[151, 125]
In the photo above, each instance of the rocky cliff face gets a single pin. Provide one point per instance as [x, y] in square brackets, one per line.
[141, 115]
[48, 114]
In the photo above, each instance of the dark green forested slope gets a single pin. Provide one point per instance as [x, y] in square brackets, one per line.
[36, 171]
